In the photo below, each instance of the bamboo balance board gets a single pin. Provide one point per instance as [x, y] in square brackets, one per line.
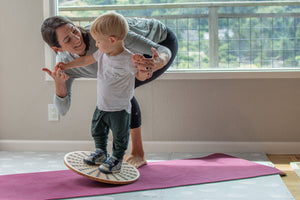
[74, 161]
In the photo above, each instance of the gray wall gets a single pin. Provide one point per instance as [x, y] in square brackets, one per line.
[264, 110]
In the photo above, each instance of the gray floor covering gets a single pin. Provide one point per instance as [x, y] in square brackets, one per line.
[264, 188]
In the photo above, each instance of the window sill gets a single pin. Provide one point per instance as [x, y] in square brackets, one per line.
[220, 74]
[230, 74]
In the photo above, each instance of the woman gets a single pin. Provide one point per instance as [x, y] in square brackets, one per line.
[146, 36]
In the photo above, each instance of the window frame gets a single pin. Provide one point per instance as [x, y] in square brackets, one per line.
[50, 8]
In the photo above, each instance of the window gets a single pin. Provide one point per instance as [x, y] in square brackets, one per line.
[232, 36]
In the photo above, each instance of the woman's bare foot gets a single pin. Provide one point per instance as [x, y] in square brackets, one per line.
[136, 161]
[136, 157]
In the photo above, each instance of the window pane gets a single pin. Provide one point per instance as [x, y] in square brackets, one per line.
[249, 37]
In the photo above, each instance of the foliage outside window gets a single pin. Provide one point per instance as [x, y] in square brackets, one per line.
[252, 37]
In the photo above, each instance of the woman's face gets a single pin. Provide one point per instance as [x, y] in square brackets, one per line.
[70, 39]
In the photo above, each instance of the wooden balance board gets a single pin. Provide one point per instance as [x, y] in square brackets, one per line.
[74, 161]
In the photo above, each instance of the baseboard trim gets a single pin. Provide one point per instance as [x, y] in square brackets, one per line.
[157, 146]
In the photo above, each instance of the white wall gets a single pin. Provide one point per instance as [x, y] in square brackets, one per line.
[254, 111]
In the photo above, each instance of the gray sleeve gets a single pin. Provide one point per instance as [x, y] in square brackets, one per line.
[63, 104]
[139, 44]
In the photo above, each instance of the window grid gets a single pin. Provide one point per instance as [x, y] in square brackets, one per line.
[259, 41]
[249, 41]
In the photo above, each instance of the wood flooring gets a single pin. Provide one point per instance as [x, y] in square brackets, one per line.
[291, 180]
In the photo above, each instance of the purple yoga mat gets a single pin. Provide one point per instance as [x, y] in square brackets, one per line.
[163, 174]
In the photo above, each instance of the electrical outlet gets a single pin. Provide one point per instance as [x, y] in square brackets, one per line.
[52, 113]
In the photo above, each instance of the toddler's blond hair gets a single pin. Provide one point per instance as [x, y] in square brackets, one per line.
[110, 24]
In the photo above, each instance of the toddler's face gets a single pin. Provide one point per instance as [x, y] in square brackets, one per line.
[103, 43]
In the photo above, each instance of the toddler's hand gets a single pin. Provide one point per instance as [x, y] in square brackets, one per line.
[137, 57]
[61, 66]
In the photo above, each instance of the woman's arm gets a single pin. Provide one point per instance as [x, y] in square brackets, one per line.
[63, 104]
[59, 78]
[63, 84]
[139, 44]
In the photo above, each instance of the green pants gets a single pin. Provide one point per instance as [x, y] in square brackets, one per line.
[119, 123]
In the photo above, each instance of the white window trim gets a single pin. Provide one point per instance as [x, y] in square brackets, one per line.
[219, 75]
[230, 74]
[49, 9]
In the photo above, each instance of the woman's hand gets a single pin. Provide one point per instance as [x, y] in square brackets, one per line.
[155, 63]
[60, 78]
[147, 66]
[143, 72]
[57, 74]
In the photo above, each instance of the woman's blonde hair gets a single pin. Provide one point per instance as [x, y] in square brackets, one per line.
[110, 24]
